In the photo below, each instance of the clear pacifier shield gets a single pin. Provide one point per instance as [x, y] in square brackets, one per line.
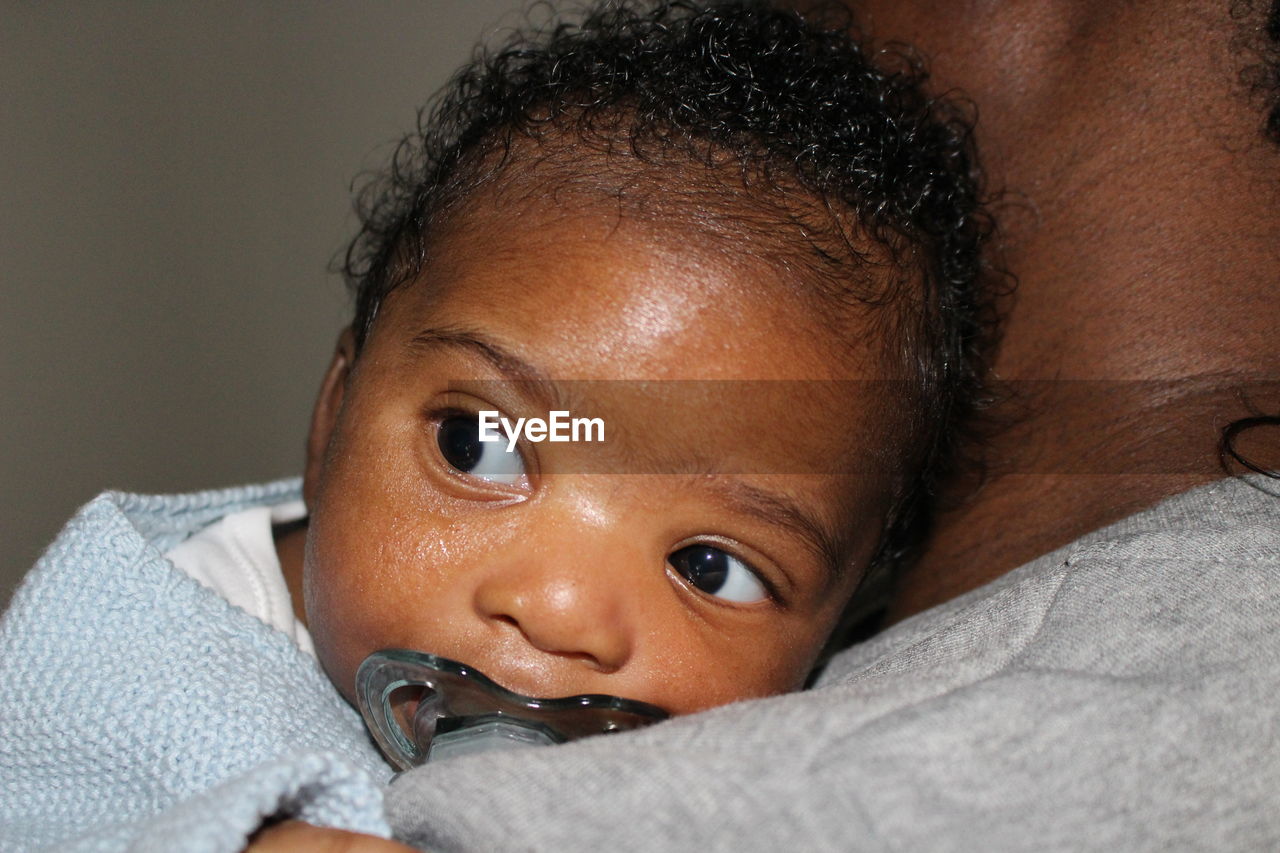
[422, 707]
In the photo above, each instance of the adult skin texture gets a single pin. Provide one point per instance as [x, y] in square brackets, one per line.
[1141, 223]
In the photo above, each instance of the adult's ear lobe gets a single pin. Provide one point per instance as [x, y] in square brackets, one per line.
[324, 417]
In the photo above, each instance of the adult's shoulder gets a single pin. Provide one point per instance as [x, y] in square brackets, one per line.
[1113, 694]
[1209, 550]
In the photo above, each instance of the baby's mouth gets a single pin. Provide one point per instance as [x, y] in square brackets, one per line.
[421, 707]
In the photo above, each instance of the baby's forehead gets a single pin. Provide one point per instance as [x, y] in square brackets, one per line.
[679, 320]
[743, 205]
[595, 295]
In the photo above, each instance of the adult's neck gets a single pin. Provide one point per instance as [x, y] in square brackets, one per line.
[1142, 223]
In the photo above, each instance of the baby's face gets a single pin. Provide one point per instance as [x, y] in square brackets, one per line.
[701, 554]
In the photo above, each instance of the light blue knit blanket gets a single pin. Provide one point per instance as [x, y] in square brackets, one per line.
[140, 711]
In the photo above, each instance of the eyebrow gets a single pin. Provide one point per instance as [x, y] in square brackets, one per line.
[515, 368]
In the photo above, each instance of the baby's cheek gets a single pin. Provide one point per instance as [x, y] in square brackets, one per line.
[343, 592]
[395, 579]
[700, 670]
[720, 686]
[335, 618]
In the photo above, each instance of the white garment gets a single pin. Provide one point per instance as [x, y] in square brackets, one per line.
[236, 558]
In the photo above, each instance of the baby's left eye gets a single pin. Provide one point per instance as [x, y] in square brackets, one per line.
[718, 573]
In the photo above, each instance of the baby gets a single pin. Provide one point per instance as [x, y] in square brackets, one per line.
[731, 243]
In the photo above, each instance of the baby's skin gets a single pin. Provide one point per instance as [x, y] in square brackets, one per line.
[719, 578]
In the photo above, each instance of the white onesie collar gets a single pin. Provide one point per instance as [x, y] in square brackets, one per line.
[236, 558]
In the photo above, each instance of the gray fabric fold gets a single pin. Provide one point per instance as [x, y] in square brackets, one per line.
[1119, 693]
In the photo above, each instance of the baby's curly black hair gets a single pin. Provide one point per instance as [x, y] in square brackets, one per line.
[810, 128]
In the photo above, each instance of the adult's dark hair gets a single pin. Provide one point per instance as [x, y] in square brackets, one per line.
[808, 125]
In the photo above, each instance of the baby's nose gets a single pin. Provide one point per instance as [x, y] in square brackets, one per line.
[560, 607]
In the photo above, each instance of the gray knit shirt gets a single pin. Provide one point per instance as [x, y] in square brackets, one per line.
[1121, 693]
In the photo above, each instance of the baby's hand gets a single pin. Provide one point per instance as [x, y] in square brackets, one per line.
[301, 837]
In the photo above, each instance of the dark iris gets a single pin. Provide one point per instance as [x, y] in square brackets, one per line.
[703, 566]
[459, 439]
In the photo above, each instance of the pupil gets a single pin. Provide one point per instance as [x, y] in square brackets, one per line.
[459, 440]
[704, 566]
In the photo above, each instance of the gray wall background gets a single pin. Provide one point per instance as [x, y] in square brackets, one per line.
[175, 182]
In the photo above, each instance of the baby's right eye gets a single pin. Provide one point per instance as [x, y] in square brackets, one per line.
[459, 439]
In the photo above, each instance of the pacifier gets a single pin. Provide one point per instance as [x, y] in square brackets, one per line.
[421, 707]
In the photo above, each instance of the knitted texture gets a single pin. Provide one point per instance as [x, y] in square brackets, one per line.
[1117, 694]
[141, 711]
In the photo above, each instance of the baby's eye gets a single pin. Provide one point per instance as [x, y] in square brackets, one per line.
[718, 573]
[460, 444]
